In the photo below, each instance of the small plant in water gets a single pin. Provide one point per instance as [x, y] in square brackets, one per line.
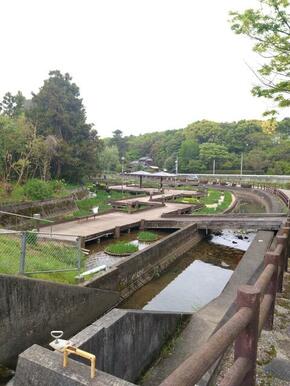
[121, 248]
[147, 236]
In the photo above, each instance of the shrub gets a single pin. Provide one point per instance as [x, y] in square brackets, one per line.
[57, 185]
[37, 190]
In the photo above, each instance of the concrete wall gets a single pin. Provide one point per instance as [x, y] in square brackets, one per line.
[45, 207]
[139, 268]
[126, 342]
[31, 308]
[38, 366]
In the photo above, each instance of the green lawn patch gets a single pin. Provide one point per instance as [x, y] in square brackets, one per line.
[212, 198]
[146, 236]
[121, 248]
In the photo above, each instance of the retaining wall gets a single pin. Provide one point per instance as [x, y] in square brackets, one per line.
[45, 207]
[31, 308]
[125, 343]
[139, 268]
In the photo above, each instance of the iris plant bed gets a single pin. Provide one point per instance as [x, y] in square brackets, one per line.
[121, 249]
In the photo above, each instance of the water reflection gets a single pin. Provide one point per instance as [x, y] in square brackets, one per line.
[195, 279]
[239, 240]
[196, 286]
[98, 257]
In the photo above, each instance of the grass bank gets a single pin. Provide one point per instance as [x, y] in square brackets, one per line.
[41, 255]
[213, 198]
[102, 200]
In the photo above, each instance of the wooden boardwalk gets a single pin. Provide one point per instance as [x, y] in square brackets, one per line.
[91, 228]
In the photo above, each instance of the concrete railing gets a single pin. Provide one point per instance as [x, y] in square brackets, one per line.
[255, 311]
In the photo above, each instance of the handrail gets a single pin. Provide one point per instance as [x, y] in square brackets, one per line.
[23, 216]
[191, 370]
[255, 311]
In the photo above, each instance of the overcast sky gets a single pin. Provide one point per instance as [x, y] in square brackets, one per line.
[141, 65]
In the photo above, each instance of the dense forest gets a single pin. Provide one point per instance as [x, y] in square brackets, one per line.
[265, 146]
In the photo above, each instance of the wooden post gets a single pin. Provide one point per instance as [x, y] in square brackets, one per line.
[129, 208]
[246, 342]
[142, 225]
[282, 239]
[117, 232]
[272, 258]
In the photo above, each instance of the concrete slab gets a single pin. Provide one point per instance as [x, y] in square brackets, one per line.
[38, 366]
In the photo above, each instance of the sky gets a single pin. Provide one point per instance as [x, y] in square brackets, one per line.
[141, 65]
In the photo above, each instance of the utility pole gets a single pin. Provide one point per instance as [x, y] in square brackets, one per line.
[176, 166]
[242, 161]
[213, 167]
[123, 159]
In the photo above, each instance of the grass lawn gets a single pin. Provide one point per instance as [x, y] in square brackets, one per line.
[43, 255]
[213, 198]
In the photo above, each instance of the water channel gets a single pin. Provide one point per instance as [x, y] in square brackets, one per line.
[193, 280]
[249, 206]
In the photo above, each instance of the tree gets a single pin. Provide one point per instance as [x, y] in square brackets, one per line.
[12, 105]
[203, 131]
[120, 142]
[57, 110]
[212, 151]
[257, 160]
[269, 27]
[189, 151]
[109, 159]
[16, 142]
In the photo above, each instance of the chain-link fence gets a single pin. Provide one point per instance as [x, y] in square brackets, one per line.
[41, 255]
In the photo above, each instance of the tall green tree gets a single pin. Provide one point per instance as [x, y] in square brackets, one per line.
[188, 152]
[12, 105]
[119, 141]
[57, 110]
[269, 27]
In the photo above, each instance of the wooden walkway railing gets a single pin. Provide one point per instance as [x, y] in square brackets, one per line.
[255, 311]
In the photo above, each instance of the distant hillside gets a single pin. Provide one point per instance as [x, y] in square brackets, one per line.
[265, 146]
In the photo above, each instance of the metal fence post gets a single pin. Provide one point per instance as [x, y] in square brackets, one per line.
[22, 254]
[79, 254]
[246, 343]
